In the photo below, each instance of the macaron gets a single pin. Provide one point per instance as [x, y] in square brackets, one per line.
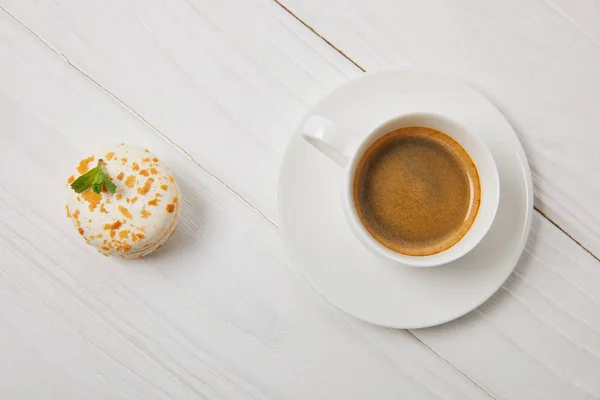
[141, 214]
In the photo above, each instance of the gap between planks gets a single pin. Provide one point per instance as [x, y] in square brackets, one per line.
[364, 70]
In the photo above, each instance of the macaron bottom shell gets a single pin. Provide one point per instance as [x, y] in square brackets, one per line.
[152, 248]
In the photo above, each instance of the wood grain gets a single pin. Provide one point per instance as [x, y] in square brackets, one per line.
[539, 61]
[221, 312]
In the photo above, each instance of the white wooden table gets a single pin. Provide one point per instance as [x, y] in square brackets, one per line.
[215, 87]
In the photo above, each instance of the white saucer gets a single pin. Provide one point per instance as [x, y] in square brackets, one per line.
[337, 265]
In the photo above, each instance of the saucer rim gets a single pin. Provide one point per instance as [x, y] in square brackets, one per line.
[528, 185]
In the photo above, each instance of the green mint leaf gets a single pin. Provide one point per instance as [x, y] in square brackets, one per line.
[98, 178]
[94, 178]
[97, 187]
[103, 179]
[84, 181]
[111, 187]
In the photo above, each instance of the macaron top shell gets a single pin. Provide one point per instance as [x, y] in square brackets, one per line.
[138, 215]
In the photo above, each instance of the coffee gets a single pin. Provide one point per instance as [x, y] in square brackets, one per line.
[416, 191]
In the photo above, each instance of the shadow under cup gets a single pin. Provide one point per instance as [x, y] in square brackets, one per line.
[488, 180]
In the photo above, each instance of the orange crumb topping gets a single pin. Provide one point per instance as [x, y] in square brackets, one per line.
[170, 207]
[123, 160]
[130, 181]
[145, 159]
[68, 212]
[112, 233]
[92, 198]
[105, 248]
[99, 235]
[146, 187]
[133, 199]
[126, 248]
[155, 201]
[115, 225]
[140, 236]
[164, 187]
[119, 196]
[76, 214]
[125, 212]
[145, 214]
[175, 199]
[155, 159]
[83, 165]
[80, 231]
[153, 171]
[120, 176]
[146, 150]
[144, 172]
[123, 234]
[102, 209]
[136, 167]
[109, 155]
[71, 179]
[171, 178]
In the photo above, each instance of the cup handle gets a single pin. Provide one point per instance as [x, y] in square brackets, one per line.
[327, 137]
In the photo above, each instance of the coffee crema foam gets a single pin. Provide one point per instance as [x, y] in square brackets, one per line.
[416, 191]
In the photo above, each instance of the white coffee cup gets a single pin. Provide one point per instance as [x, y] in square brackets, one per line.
[327, 137]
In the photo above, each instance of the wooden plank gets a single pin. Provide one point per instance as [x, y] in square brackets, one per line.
[539, 61]
[218, 313]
